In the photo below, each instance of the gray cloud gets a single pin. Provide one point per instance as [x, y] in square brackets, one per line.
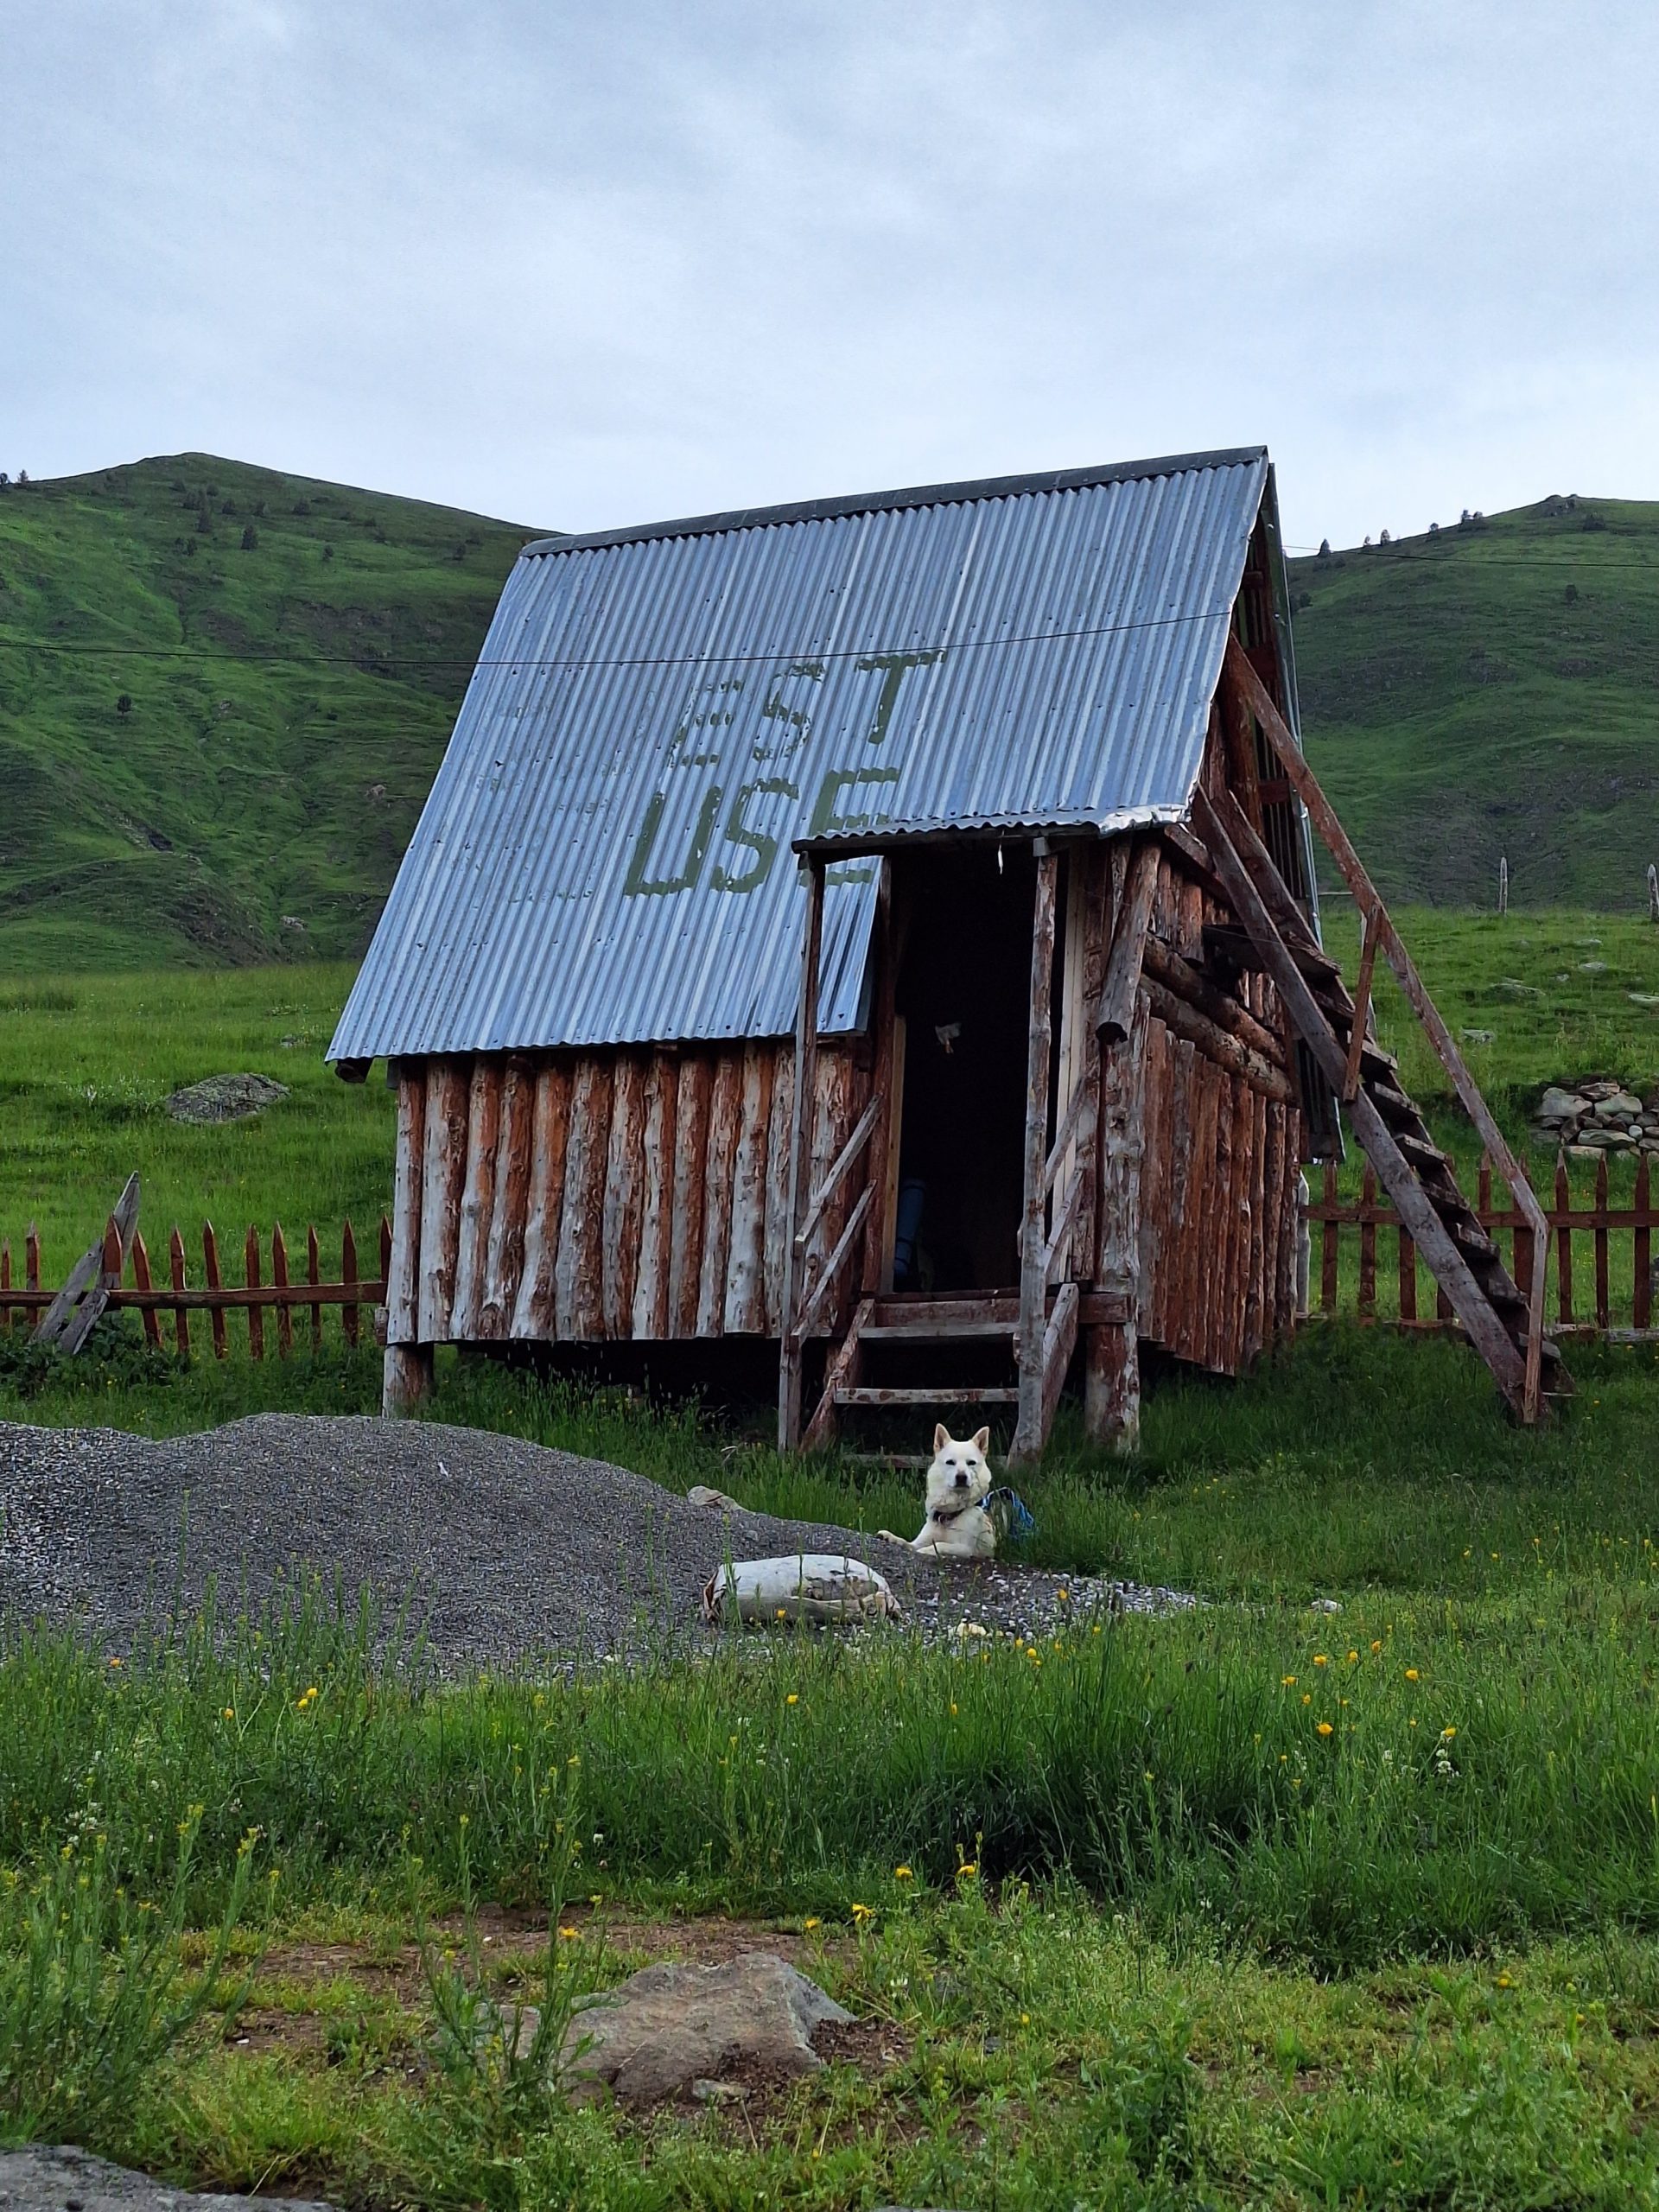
[586, 265]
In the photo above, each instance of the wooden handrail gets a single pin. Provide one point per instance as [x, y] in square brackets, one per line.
[864, 1130]
[1064, 1134]
[1378, 924]
[815, 1297]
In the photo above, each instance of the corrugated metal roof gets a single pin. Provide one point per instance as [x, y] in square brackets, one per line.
[658, 714]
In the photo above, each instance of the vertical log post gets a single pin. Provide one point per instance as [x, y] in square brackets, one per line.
[181, 1318]
[255, 1313]
[1368, 1244]
[1604, 1301]
[1028, 1434]
[348, 1312]
[1641, 1301]
[215, 1281]
[1111, 1401]
[1328, 1244]
[152, 1320]
[279, 1276]
[313, 1275]
[1407, 1275]
[800, 1155]
[1563, 1242]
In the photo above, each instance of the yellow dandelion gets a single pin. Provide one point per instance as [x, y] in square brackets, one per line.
[968, 1869]
[1446, 1734]
[115, 1663]
[811, 1921]
[1353, 1658]
[794, 1698]
[902, 1874]
[1306, 1699]
[863, 1912]
[1319, 1659]
[1376, 1643]
[1324, 1729]
[1504, 1982]
[1412, 1675]
[229, 1713]
[567, 1935]
[1287, 1681]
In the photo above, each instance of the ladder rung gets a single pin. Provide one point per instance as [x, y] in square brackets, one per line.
[969, 1394]
[921, 1331]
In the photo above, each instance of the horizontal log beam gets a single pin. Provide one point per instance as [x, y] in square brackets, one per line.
[1190, 983]
[1228, 1052]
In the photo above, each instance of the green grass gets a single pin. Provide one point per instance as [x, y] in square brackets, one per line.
[1488, 691]
[288, 703]
[1205, 1956]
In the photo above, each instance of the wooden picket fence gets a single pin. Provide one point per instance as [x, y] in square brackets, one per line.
[1619, 1280]
[270, 1285]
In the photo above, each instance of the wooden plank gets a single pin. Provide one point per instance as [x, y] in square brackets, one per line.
[1059, 1342]
[829, 1188]
[141, 1276]
[1641, 1249]
[477, 1197]
[1362, 1010]
[1407, 1275]
[504, 1243]
[181, 1320]
[403, 1284]
[746, 1271]
[313, 1275]
[1226, 1052]
[1028, 1429]
[1486, 1331]
[69, 1319]
[625, 1194]
[841, 1374]
[1563, 1243]
[977, 1395]
[777, 1148]
[1154, 1199]
[650, 1287]
[250, 1273]
[874, 1271]
[1114, 1013]
[1604, 1303]
[349, 1317]
[579, 1274]
[800, 1152]
[690, 1178]
[442, 1172]
[1206, 1222]
[535, 1309]
[820, 1284]
[5, 1284]
[725, 1110]
[279, 1278]
[1368, 1243]
[210, 1268]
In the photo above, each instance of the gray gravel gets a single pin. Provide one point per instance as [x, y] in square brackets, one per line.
[50, 2178]
[511, 1554]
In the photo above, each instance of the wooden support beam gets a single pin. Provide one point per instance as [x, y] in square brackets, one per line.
[824, 1196]
[1115, 1013]
[841, 1374]
[405, 1378]
[1362, 1012]
[1215, 1043]
[1033, 1283]
[1111, 1398]
[813, 1298]
[1220, 824]
[800, 1153]
[1059, 1341]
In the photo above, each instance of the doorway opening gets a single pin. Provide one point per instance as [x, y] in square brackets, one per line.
[964, 992]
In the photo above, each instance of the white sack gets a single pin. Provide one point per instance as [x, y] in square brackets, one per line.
[806, 1586]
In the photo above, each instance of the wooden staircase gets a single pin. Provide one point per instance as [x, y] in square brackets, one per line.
[1504, 1324]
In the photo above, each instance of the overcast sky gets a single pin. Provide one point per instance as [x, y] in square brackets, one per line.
[591, 265]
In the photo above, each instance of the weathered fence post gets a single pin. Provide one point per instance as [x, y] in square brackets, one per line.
[1653, 893]
[1503, 886]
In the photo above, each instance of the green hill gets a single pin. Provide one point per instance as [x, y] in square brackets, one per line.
[290, 654]
[1487, 690]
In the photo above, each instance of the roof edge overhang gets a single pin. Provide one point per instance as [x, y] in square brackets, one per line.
[892, 837]
[915, 495]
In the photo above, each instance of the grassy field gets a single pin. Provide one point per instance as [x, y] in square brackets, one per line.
[1262, 1905]
[1488, 691]
[290, 654]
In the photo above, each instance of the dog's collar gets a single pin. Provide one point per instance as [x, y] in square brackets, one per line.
[973, 1503]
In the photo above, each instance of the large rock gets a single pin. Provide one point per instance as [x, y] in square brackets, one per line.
[1559, 1105]
[225, 1099]
[46, 2178]
[671, 2026]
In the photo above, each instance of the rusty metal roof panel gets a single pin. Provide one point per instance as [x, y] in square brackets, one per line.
[657, 716]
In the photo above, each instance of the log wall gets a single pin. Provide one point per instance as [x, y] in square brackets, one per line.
[604, 1195]
[1219, 1166]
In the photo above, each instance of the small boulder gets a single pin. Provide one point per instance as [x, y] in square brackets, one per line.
[672, 2027]
[1559, 1105]
[225, 1099]
[51, 2178]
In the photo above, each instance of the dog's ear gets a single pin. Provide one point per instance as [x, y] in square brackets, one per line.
[982, 1441]
[941, 1438]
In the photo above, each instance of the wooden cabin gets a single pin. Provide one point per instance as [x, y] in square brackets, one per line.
[886, 928]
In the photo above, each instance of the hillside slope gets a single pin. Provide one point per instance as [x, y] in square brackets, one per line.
[1488, 691]
[291, 653]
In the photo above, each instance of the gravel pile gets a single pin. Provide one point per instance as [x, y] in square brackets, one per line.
[509, 1553]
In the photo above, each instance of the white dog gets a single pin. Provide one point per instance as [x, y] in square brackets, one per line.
[958, 1526]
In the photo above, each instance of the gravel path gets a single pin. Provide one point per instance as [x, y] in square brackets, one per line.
[511, 1553]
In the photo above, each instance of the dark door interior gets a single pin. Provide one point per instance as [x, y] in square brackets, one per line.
[964, 988]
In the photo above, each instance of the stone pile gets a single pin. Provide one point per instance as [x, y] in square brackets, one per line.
[1601, 1116]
